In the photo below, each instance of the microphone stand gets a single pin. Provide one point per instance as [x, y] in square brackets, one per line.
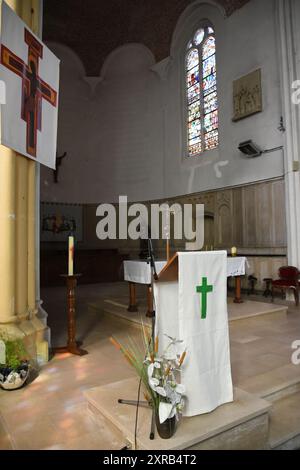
[154, 276]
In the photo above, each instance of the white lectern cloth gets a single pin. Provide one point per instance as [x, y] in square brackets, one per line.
[206, 373]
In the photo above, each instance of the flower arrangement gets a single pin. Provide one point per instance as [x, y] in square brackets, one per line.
[158, 373]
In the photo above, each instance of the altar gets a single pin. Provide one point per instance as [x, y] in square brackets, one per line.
[139, 272]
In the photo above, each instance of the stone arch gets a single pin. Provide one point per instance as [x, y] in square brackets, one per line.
[144, 59]
[189, 20]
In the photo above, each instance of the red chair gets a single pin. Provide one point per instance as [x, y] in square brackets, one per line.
[288, 279]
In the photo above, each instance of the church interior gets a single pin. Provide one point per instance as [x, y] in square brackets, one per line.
[177, 102]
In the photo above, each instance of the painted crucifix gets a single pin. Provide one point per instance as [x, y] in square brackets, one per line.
[34, 89]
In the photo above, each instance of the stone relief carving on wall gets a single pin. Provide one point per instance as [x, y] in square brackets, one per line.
[247, 95]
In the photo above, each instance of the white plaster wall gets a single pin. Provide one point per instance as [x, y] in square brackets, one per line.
[127, 137]
[111, 129]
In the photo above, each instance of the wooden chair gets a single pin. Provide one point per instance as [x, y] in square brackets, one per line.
[288, 279]
[252, 281]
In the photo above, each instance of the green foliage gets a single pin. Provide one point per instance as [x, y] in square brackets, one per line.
[16, 353]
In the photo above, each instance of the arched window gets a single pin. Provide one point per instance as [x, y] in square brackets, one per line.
[201, 91]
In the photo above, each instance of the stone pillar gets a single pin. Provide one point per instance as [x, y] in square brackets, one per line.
[18, 249]
[8, 318]
[31, 213]
[32, 15]
[21, 243]
[21, 237]
[9, 321]
[288, 13]
[31, 237]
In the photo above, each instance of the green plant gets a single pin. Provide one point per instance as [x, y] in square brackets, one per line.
[15, 352]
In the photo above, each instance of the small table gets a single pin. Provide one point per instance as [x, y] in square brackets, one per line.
[72, 346]
[139, 272]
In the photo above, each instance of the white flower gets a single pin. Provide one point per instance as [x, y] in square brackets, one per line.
[153, 383]
[172, 395]
[150, 370]
[164, 411]
[161, 391]
[166, 386]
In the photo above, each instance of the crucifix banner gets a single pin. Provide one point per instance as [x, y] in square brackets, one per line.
[194, 309]
[30, 73]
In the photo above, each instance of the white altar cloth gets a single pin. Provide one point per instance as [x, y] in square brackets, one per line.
[139, 272]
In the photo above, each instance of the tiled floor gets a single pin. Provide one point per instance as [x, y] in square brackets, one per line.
[51, 413]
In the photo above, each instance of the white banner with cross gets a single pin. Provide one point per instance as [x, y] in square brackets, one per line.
[29, 74]
[194, 310]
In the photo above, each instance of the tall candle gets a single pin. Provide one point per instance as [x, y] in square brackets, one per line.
[233, 251]
[71, 256]
[168, 229]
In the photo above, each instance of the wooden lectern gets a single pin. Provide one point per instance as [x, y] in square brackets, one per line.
[170, 272]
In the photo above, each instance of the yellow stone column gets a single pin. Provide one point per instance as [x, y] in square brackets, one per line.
[18, 307]
[21, 237]
[33, 308]
[31, 16]
[7, 243]
[21, 273]
[8, 317]
[31, 236]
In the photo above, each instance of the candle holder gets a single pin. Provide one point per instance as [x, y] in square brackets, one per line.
[73, 346]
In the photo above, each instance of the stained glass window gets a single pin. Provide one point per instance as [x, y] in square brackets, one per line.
[198, 38]
[201, 86]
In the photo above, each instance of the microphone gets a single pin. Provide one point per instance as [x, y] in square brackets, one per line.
[151, 259]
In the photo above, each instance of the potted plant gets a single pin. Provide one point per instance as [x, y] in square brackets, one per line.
[14, 363]
[159, 375]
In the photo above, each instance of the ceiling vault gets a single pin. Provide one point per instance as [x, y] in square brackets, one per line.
[93, 28]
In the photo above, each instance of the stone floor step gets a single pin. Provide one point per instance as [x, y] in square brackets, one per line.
[241, 425]
[275, 384]
[237, 313]
[284, 424]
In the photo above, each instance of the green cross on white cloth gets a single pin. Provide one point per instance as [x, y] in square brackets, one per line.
[204, 290]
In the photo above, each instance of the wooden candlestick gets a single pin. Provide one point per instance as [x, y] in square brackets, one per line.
[72, 345]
